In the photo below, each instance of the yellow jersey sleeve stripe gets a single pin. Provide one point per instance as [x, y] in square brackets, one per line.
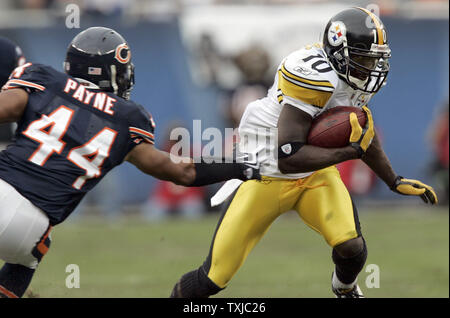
[280, 98]
[377, 23]
[310, 96]
[315, 87]
[304, 80]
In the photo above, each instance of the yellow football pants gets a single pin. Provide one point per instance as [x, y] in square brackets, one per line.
[321, 200]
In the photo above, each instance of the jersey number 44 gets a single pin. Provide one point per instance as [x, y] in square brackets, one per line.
[49, 130]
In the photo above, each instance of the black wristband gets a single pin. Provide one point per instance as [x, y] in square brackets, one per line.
[209, 173]
[396, 182]
[358, 148]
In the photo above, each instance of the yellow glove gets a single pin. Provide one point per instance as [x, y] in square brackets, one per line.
[414, 187]
[361, 138]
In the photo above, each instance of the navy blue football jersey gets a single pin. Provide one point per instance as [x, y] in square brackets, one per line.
[68, 138]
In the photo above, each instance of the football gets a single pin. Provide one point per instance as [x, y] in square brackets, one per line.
[332, 128]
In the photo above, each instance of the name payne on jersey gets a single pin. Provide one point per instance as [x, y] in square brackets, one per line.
[99, 100]
[200, 308]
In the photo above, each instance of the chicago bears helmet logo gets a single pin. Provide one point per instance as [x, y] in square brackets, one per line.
[123, 53]
[336, 33]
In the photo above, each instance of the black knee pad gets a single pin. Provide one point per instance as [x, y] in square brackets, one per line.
[195, 284]
[351, 247]
[348, 268]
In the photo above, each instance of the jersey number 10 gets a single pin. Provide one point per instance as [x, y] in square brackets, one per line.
[49, 130]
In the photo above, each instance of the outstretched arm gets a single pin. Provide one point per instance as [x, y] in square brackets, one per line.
[157, 163]
[378, 161]
[293, 128]
[185, 172]
[372, 153]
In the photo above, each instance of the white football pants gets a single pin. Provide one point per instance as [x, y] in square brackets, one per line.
[24, 229]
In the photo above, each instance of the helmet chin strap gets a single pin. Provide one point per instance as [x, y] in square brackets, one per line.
[358, 82]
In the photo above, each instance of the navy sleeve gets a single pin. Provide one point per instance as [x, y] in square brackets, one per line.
[32, 77]
[141, 126]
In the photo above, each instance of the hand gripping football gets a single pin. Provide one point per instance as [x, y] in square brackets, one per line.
[332, 128]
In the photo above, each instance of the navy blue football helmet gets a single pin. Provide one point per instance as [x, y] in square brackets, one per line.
[101, 56]
[11, 56]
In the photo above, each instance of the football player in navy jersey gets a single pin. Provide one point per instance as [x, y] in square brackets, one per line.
[72, 129]
[11, 56]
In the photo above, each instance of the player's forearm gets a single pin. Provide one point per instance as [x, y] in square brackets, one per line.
[159, 164]
[210, 173]
[184, 171]
[202, 174]
[377, 160]
[312, 158]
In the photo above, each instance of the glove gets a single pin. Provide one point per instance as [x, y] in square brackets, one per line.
[249, 163]
[250, 172]
[414, 187]
[361, 138]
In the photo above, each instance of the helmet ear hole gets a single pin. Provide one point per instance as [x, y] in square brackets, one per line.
[338, 56]
[339, 62]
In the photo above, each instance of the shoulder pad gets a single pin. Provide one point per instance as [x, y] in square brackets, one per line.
[310, 63]
[305, 75]
[31, 76]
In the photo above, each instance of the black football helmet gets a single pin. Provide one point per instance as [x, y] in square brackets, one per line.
[11, 56]
[355, 42]
[101, 56]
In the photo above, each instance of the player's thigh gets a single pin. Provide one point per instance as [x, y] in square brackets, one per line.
[24, 229]
[329, 209]
[251, 212]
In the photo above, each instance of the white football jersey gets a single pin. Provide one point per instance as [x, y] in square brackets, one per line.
[304, 79]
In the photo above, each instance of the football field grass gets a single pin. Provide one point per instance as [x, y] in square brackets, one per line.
[409, 245]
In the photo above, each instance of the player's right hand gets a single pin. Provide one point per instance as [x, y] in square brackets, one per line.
[361, 138]
[414, 187]
[250, 172]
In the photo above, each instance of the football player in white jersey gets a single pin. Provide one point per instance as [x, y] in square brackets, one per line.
[346, 69]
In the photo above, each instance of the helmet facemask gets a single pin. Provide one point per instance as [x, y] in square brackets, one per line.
[129, 81]
[123, 83]
[355, 42]
[364, 70]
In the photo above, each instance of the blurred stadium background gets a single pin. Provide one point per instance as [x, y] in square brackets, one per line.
[205, 59]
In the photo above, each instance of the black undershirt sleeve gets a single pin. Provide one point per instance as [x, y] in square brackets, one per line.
[209, 173]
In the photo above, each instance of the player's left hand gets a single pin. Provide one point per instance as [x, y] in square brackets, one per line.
[414, 187]
[249, 163]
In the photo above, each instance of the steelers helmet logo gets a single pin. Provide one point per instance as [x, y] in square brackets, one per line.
[336, 33]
